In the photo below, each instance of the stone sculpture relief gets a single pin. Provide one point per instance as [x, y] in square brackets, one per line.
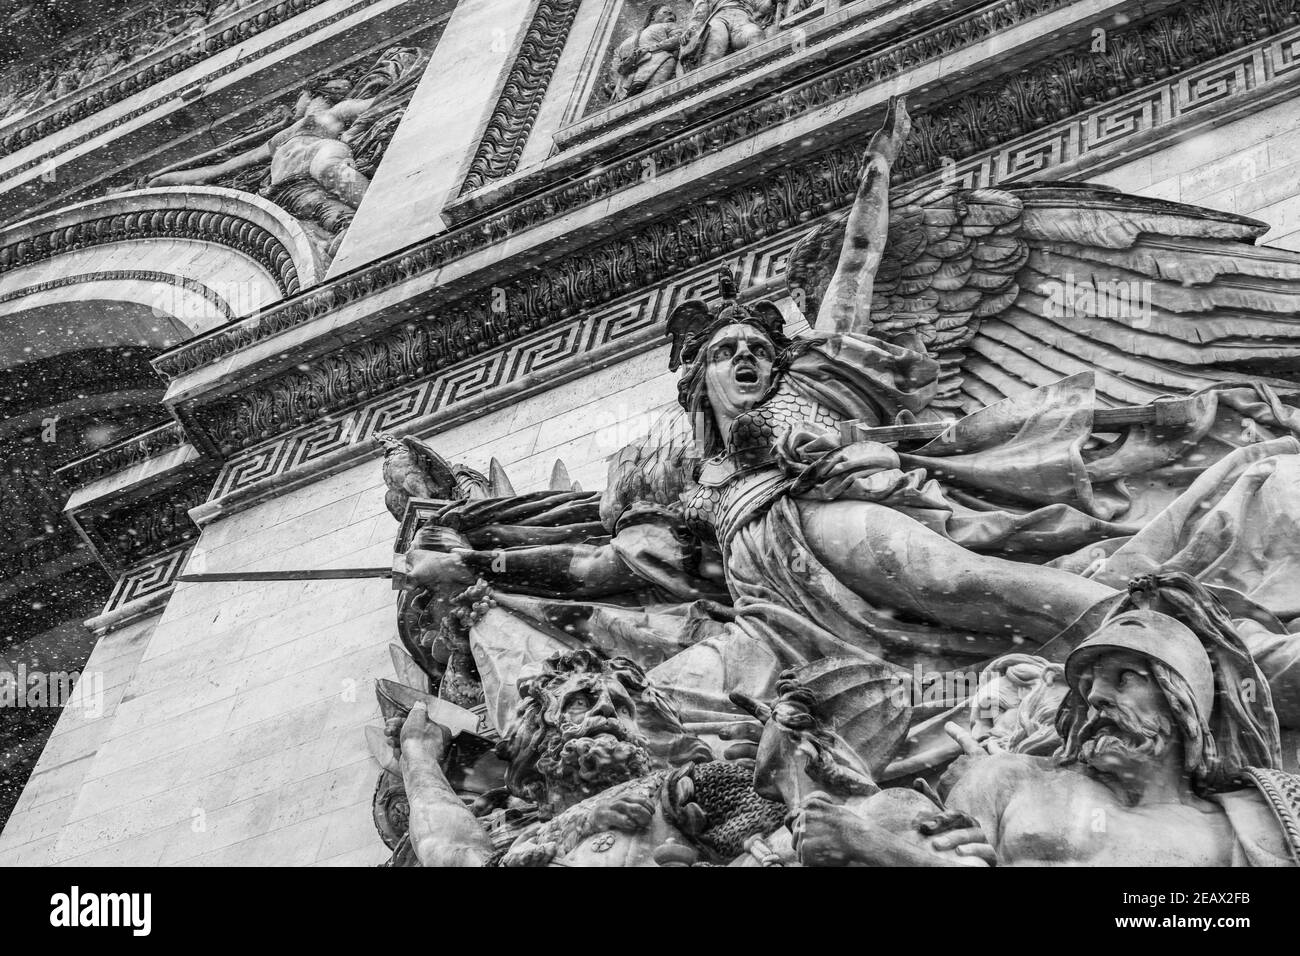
[313, 159]
[843, 589]
[108, 51]
[649, 57]
[665, 48]
[719, 27]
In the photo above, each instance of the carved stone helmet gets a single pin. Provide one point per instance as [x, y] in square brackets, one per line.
[693, 323]
[1154, 635]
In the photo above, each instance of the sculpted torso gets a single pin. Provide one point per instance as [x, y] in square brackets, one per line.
[311, 142]
[1045, 815]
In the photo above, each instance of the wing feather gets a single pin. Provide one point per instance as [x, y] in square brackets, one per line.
[1013, 288]
[658, 468]
[1155, 297]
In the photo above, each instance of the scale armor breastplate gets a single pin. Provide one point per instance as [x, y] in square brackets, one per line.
[743, 482]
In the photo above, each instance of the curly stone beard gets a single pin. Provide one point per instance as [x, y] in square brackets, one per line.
[583, 759]
[1125, 737]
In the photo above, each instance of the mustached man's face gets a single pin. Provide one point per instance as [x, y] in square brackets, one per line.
[739, 369]
[597, 742]
[1129, 724]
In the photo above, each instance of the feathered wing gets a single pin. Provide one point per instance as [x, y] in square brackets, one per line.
[1156, 297]
[1021, 286]
[658, 468]
[436, 477]
[951, 259]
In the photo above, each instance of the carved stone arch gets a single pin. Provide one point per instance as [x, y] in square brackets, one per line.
[195, 237]
[88, 295]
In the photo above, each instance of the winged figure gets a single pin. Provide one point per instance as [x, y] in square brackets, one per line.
[1009, 402]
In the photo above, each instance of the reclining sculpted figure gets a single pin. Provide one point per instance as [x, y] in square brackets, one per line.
[1168, 755]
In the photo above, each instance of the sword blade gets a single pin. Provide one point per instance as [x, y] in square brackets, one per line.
[314, 575]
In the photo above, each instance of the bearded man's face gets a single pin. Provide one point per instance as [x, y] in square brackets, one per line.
[1129, 724]
[597, 742]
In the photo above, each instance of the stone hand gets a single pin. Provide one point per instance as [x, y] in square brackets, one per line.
[970, 747]
[952, 830]
[746, 734]
[825, 833]
[629, 812]
[888, 141]
[437, 569]
[422, 738]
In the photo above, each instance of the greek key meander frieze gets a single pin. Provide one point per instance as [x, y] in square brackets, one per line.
[997, 114]
[634, 323]
[152, 577]
[405, 359]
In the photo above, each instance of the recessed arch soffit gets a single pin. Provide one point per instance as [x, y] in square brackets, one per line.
[201, 254]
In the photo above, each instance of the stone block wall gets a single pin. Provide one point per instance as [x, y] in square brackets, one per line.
[234, 727]
[1250, 166]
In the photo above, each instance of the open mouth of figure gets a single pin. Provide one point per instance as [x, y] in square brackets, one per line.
[597, 727]
[746, 375]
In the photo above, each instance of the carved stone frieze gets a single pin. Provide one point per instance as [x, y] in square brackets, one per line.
[150, 46]
[988, 116]
[508, 128]
[126, 533]
[737, 219]
[123, 454]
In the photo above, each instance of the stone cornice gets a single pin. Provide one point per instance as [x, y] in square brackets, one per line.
[151, 519]
[431, 254]
[949, 127]
[121, 455]
[183, 52]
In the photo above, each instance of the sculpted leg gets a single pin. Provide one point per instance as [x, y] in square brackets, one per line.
[443, 831]
[717, 42]
[333, 168]
[745, 34]
[893, 561]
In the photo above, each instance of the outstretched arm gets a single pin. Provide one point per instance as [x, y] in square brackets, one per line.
[207, 174]
[827, 833]
[847, 306]
[443, 831]
[570, 570]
